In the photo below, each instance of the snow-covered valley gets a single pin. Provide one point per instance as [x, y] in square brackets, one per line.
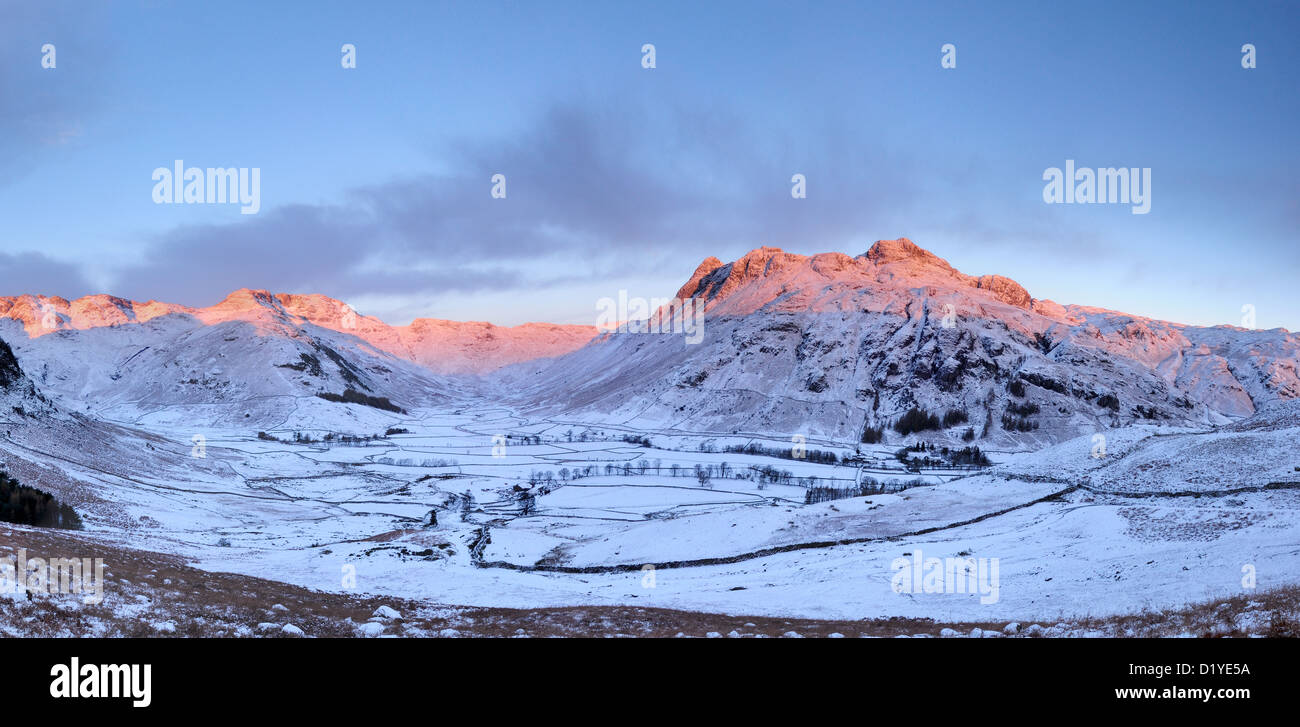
[1072, 539]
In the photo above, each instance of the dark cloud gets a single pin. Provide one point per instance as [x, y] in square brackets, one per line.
[622, 189]
[37, 274]
[635, 186]
[336, 250]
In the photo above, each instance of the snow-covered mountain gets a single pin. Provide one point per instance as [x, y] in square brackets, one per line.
[444, 347]
[252, 357]
[441, 346]
[246, 360]
[827, 345]
[830, 344]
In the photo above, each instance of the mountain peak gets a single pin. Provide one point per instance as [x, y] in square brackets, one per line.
[708, 265]
[885, 252]
[887, 274]
[247, 298]
[714, 280]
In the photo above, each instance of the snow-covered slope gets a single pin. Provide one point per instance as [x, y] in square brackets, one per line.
[829, 344]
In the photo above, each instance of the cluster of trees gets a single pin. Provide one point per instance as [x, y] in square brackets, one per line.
[526, 438]
[937, 456]
[306, 362]
[696, 380]
[817, 456]
[916, 463]
[872, 435]
[1016, 417]
[639, 467]
[769, 475]
[25, 505]
[1024, 410]
[350, 439]
[916, 420]
[548, 478]
[409, 462]
[704, 473]
[953, 417]
[866, 488]
[815, 495]
[966, 456]
[352, 396]
[1146, 412]
[919, 420]
[1013, 423]
[764, 475]
[586, 435]
[330, 438]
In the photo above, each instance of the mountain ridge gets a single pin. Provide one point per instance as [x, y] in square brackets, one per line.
[791, 339]
[443, 346]
[884, 262]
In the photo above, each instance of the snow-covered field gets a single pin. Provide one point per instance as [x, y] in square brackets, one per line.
[1165, 518]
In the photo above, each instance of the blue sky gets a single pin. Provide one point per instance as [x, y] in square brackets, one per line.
[375, 181]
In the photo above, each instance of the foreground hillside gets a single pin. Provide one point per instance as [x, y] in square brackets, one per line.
[160, 596]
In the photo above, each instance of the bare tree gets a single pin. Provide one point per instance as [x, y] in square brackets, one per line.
[527, 503]
[704, 475]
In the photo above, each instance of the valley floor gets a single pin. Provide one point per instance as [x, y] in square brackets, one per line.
[230, 523]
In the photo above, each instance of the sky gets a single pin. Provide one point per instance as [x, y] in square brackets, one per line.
[376, 181]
